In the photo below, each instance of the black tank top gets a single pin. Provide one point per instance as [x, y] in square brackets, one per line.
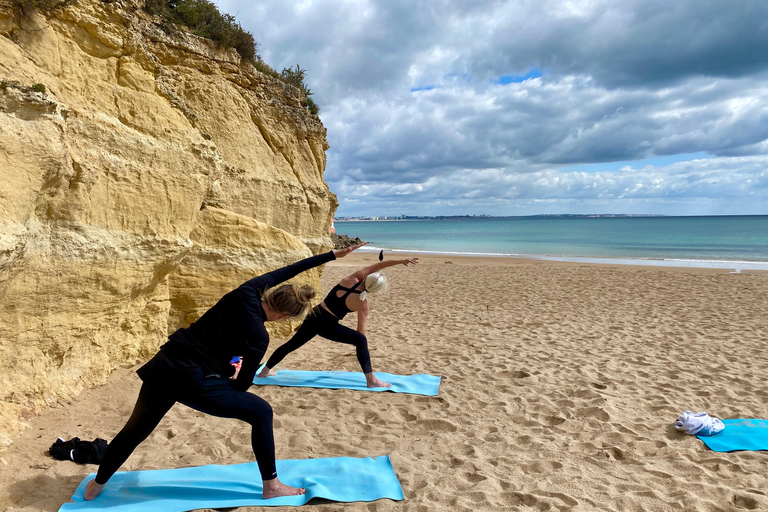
[338, 305]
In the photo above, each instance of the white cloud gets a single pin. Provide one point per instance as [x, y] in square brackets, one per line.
[741, 182]
[419, 123]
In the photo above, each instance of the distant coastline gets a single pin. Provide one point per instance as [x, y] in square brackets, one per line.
[541, 216]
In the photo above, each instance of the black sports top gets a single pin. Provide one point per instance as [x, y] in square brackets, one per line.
[234, 326]
[338, 305]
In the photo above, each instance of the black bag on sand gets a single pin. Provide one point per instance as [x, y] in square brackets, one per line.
[82, 452]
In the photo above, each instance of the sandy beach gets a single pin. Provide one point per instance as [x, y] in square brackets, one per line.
[560, 385]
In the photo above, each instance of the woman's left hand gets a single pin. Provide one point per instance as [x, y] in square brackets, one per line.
[410, 261]
[340, 253]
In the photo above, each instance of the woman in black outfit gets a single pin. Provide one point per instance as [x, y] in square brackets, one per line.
[193, 368]
[347, 296]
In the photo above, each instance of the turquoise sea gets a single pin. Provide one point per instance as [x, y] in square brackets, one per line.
[735, 242]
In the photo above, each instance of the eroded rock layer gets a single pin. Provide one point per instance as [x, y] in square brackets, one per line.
[144, 172]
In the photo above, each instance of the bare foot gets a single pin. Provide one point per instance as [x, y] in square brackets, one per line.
[266, 372]
[274, 488]
[92, 490]
[373, 382]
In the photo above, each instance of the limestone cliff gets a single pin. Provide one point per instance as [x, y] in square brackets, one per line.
[147, 173]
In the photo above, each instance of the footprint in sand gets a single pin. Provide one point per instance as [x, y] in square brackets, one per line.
[466, 450]
[406, 416]
[594, 412]
[474, 477]
[541, 467]
[553, 421]
[614, 453]
[745, 502]
[436, 425]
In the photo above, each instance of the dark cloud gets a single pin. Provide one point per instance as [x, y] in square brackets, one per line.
[622, 43]
[417, 117]
[534, 123]
[373, 44]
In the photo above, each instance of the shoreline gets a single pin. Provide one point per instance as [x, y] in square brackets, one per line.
[735, 266]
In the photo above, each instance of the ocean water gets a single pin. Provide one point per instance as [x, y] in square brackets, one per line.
[736, 242]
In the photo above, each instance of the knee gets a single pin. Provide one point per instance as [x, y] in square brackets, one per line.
[260, 415]
[265, 412]
[360, 339]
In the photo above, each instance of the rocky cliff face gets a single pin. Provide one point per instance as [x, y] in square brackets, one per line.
[154, 173]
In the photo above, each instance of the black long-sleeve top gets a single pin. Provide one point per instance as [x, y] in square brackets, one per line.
[234, 326]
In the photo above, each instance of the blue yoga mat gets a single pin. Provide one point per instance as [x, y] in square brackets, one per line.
[739, 435]
[344, 479]
[421, 384]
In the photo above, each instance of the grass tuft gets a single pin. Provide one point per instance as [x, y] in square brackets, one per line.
[27, 6]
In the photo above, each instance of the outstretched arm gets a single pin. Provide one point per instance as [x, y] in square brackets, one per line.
[276, 277]
[364, 272]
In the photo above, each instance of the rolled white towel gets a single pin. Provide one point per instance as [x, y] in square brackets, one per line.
[699, 423]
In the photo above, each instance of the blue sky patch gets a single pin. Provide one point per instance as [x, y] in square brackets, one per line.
[516, 79]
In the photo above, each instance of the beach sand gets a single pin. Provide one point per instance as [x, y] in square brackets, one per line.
[560, 385]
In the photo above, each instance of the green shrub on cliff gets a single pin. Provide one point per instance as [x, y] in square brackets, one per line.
[311, 105]
[203, 18]
[266, 69]
[27, 6]
[295, 77]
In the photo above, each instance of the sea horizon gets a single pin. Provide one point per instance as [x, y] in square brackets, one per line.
[378, 218]
[735, 242]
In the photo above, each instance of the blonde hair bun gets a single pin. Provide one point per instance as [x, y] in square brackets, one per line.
[376, 283]
[305, 294]
[290, 299]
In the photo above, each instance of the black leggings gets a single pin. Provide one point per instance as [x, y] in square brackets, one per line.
[212, 396]
[321, 322]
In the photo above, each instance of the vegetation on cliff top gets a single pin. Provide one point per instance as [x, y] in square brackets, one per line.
[27, 6]
[203, 18]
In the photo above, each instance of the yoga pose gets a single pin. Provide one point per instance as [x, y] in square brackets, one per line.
[347, 296]
[193, 368]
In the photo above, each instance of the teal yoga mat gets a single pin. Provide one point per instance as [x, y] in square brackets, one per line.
[344, 479]
[420, 384]
[749, 435]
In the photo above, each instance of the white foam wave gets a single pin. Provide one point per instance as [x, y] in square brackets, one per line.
[736, 266]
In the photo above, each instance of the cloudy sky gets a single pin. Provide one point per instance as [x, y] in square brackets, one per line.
[454, 107]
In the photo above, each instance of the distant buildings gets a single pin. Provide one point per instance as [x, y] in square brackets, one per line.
[413, 217]
[401, 217]
[541, 216]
